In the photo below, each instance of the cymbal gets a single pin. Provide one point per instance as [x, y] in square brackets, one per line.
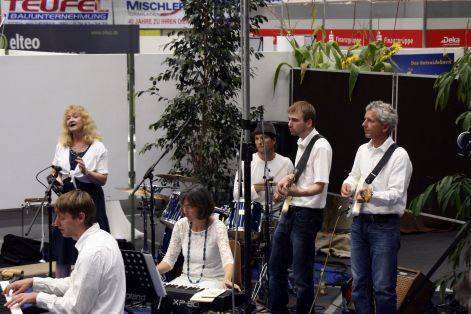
[34, 199]
[177, 177]
[143, 193]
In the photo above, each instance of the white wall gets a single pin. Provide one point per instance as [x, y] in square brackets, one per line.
[35, 90]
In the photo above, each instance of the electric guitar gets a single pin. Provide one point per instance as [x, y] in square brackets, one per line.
[287, 203]
[365, 191]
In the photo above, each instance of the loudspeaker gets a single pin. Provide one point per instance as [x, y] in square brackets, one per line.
[414, 291]
[409, 282]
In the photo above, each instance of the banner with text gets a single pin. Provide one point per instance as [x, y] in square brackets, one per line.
[98, 39]
[411, 38]
[57, 11]
[424, 63]
[162, 14]
[448, 38]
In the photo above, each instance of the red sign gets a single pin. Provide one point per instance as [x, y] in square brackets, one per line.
[347, 37]
[411, 38]
[408, 38]
[448, 37]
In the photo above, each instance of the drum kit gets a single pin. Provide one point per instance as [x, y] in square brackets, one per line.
[233, 214]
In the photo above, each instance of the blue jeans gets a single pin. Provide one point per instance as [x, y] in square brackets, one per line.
[374, 265]
[293, 245]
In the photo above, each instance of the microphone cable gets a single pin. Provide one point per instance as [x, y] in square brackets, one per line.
[321, 275]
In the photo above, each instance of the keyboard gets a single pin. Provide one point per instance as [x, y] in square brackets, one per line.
[5, 298]
[180, 296]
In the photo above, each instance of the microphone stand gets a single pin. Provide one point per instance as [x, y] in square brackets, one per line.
[149, 175]
[266, 178]
[49, 222]
[266, 220]
[47, 196]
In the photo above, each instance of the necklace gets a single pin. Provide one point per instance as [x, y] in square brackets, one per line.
[204, 253]
[79, 150]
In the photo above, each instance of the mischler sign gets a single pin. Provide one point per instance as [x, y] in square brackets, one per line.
[162, 14]
[97, 39]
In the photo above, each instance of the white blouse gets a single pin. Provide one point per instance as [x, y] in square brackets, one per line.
[218, 253]
[96, 159]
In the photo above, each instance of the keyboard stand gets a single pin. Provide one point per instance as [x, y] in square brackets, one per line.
[143, 282]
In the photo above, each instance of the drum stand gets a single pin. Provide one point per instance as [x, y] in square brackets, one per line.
[265, 234]
[145, 205]
[262, 283]
[149, 175]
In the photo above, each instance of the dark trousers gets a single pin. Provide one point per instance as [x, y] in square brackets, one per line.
[293, 245]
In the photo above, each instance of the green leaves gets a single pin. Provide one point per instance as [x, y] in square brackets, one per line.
[373, 57]
[450, 192]
[318, 55]
[205, 68]
[461, 72]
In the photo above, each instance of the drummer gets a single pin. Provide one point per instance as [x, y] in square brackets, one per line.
[278, 166]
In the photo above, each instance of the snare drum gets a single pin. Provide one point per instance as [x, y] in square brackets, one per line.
[233, 225]
[173, 211]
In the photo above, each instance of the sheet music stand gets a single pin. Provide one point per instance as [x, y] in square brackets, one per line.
[143, 282]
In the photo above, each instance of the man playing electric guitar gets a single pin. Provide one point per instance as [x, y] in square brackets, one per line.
[293, 240]
[375, 229]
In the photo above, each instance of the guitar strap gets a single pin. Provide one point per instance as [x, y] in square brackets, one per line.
[381, 163]
[301, 165]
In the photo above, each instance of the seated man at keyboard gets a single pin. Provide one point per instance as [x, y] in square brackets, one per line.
[97, 283]
[203, 240]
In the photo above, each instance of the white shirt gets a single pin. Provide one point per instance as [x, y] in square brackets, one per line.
[218, 253]
[317, 170]
[390, 186]
[96, 159]
[279, 167]
[97, 285]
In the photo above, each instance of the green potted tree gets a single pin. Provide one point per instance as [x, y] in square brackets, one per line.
[205, 67]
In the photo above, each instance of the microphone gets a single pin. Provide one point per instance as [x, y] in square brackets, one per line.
[56, 168]
[464, 144]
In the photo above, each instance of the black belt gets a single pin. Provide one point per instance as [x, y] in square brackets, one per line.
[298, 208]
[377, 218]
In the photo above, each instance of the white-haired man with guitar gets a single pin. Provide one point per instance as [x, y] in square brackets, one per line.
[377, 206]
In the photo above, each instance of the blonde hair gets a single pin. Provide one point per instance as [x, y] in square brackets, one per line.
[90, 132]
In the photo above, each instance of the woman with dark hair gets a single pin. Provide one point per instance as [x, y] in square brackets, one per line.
[83, 162]
[203, 240]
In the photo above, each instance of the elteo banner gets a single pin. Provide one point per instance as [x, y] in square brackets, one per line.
[95, 39]
[163, 14]
[57, 11]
